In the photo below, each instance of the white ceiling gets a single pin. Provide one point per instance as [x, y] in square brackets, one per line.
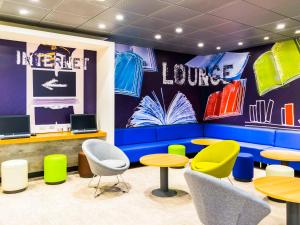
[214, 22]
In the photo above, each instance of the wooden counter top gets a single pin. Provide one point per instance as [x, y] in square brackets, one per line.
[59, 136]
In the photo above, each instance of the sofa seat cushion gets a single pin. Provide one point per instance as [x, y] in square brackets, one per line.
[113, 163]
[136, 151]
[205, 165]
[187, 142]
[172, 132]
[253, 149]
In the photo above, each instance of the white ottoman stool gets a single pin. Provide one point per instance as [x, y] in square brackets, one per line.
[14, 175]
[279, 170]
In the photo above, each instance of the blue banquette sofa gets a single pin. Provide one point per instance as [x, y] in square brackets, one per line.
[137, 142]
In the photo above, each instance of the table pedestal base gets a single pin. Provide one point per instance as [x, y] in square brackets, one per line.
[160, 193]
[292, 213]
[164, 190]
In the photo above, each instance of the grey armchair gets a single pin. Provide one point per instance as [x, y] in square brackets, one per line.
[105, 160]
[218, 203]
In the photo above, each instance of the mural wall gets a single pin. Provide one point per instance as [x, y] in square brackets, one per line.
[162, 88]
[46, 82]
[252, 87]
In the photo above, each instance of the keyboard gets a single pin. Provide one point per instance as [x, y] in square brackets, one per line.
[13, 136]
[84, 131]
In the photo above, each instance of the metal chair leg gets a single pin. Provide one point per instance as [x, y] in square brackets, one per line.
[96, 194]
[91, 180]
[123, 181]
[230, 181]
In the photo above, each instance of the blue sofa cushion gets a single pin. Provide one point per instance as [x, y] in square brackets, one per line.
[253, 149]
[127, 136]
[172, 132]
[187, 142]
[238, 133]
[287, 139]
[136, 151]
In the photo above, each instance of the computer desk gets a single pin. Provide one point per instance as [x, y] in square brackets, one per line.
[57, 136]
[35, 148]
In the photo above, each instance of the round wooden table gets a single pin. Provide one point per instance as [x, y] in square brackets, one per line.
[285, 156]
[164, 161]
[205, 141]
[285, 189]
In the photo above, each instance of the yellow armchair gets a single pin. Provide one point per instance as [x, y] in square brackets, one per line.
[217, 160]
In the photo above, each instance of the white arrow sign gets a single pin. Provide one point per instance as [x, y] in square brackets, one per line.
[51, 84]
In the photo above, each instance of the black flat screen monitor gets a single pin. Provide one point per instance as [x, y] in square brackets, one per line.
[83, 122]
[14, 125]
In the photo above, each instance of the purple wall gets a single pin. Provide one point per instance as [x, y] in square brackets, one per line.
[12, 79]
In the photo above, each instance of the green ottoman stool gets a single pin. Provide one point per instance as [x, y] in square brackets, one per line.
[176, 149]
[55, 169]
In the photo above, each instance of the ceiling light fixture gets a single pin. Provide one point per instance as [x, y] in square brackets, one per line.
[280, 26]
[297, 31]
[157, 36]
[266, 38]
[119, 17]
[200, 44]
[218, 48]
[178, 30]
[240, 43]
[35, 1]
[101, 26]
[23, 12]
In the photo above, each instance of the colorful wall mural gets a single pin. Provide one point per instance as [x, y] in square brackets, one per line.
[46, 82]
[251, 87]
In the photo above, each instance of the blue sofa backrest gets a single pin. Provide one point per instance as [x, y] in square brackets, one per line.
[287, 139]
[127, 136]
[172, 132]
[238, 133]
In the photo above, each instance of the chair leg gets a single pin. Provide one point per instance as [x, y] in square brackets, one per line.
[91, 180]
[96, 194]
[230, 181]
[123, 181]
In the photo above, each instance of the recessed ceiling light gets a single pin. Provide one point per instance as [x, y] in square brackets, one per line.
[119, 17]
[101, 26]
[100, 0]
[200, 44]
[178, 30]
[35, 0]
[23, 11]
[280, 26]
[266, 38]
[297, 31]
[240, 43]
[157, 36]
[218, 48]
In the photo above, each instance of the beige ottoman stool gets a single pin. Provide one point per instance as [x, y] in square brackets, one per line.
[279, 170]
[14, 175]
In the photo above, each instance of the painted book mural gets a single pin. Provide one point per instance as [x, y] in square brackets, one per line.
[162, 88]
[252, 87]
[46, 82]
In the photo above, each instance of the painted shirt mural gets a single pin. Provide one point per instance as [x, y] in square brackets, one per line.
[52, 79]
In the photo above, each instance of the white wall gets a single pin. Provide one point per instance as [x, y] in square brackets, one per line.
[105, 65]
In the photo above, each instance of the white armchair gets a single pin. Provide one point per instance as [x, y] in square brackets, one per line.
[105, 160]
[218, 203]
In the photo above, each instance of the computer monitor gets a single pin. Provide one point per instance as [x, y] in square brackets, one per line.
[10, 125]
[81, 122]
